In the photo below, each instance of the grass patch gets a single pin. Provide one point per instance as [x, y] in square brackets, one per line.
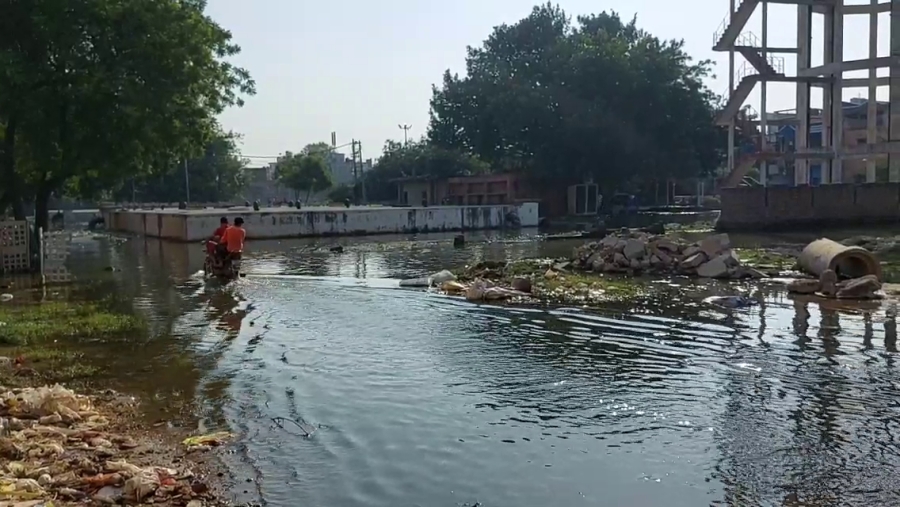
[45, 364]
[587, 287]
[762, 258]
[691, 228]
[526, 267]
[32, 324]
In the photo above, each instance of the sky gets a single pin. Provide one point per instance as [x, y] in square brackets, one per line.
[361, 68]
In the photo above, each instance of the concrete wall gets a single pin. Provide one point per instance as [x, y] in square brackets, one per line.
[805, 206]
[287, 223]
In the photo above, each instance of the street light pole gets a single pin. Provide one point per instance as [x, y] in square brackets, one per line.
[405, 129]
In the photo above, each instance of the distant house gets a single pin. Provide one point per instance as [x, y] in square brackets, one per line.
[260, 184]
[342, 170]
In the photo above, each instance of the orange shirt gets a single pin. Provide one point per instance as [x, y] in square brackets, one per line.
[220, 232]
[234, 239]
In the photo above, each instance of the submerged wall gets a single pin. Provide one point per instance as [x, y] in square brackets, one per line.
[195, 225]
[745, 208]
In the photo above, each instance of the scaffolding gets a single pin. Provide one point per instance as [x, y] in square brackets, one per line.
[763, 65]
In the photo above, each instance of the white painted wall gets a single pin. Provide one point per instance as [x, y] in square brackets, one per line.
[286, 223]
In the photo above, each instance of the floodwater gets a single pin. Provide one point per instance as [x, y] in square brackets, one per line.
[416, 399]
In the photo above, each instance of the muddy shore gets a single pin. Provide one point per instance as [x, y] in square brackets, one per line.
[68, 448]
[90, 445]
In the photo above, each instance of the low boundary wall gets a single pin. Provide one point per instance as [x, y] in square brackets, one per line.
[749, 208]
[277, 223]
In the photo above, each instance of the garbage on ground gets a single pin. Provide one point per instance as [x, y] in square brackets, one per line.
[5, 297]
[56, 446]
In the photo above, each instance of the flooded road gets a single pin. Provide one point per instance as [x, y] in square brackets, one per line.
[415, 399]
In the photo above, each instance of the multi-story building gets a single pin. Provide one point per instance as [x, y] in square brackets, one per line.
[836, 143]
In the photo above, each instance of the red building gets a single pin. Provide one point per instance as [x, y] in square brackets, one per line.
[481, 190]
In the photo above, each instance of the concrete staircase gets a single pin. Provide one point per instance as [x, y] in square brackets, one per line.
[764, 66]
[741, 168]
[737, 99]
[729, 31]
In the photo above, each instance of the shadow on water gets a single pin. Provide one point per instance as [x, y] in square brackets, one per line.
[421, 399]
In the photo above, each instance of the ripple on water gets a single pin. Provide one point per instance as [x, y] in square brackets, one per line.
[426, 400]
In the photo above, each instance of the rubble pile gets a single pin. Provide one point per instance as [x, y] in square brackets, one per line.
[55, 447]
[828, 286]
[638, 252]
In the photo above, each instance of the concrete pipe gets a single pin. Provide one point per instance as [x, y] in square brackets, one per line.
[845, 261]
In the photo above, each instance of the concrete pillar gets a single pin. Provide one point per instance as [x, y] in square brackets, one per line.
[894, 93]
[837, 97]
[827, 91]
[731, 160]
[763, 111]
[872, 110]
[801, 166]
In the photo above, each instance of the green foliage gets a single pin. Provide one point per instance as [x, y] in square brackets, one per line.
[216, 176]
[417, 159]
[304, 173]
[96, 92]
[319, 148]
[599, 99]
[341, 193]
[29, 324]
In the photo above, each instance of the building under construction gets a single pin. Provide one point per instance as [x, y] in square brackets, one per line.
[839, 142]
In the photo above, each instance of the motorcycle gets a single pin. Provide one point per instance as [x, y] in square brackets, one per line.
[222, 268]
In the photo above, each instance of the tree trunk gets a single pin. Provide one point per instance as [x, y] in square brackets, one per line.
[308, 191]
[42, 209]
[8, 170]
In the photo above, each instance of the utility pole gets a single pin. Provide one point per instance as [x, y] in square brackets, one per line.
[355, 173]
[405, 129]
[362, 170]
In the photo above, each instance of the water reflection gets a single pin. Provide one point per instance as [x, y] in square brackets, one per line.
[422, 399]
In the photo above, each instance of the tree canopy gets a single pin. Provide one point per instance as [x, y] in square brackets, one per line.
[303, 172]
[417, 158]
[96, 92]
[596, 99]
[217, 175]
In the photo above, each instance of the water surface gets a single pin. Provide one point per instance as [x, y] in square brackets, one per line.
[418, 399]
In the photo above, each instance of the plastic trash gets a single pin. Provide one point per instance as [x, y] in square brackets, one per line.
[212, 439]
[141, 486]
[5, 297]
[44, 401]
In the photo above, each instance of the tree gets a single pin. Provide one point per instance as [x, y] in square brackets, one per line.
[215, 176]
[304, 173]
[600, 99]
[96, 92]
[418, 158]
[319, 148]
